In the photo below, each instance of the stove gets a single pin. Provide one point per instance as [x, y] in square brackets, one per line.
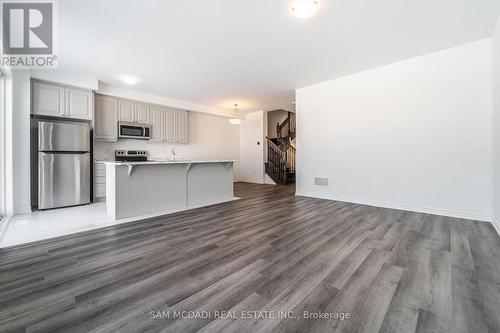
[131, 155]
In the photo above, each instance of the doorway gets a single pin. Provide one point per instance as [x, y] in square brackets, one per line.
[280, 147]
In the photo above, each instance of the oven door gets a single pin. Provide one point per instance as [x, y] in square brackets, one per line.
[131, 131]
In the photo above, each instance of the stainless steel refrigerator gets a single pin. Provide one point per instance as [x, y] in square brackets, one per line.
[63, 163]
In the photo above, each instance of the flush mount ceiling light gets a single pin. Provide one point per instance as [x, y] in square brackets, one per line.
[305, 9]
[235, 121]
[129, 79]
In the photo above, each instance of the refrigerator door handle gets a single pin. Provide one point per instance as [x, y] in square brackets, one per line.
[45, 134]
[45, 180]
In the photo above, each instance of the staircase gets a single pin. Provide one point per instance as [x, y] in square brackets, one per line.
[280, 165]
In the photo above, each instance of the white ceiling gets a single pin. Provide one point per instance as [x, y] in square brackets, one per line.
[254, 52]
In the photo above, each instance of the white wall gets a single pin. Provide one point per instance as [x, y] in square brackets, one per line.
[414, 135]
[251, 168]
[496, 127]
[77, 79]
[90, 81]
[210, 137]
[2, 142]
[162, 100]
[17, 143]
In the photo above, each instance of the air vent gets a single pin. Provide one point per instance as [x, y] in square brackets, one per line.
[318, 181]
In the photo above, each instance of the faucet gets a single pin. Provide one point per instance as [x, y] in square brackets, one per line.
[173, 153]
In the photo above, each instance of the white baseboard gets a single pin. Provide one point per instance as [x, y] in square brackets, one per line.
[411, 208]
[268, 180]
[250, 180]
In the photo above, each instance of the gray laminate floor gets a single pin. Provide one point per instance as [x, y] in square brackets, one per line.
[388, 270]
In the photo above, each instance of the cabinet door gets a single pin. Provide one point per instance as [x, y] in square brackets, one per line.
[99, 180]
[106, 118]
[169, 134]
[157, 122]
[48, 100]
[126, 111]
[79, 104]
[141, 114]
[182, 127]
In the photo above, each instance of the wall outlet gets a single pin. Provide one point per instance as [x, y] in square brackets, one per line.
[319, 181]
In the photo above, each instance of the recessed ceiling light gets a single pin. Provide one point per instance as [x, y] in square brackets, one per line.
[129, 79]
[305, 9]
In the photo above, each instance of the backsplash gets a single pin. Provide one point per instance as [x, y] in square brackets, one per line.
[205, 142]
[156, 150]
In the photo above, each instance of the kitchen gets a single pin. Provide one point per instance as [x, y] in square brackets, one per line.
[181, 145]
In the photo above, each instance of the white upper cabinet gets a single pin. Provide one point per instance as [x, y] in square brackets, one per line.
[59, 101]
[167, 125]
[48, 100]
[176, 126]
[182, 127]
[133, 112]
[106, 118]
[79, 104]
[141, 113]
[156, 120]
[126, 111]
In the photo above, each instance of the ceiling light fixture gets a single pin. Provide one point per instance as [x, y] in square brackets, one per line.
[129, 79]
[305, 9]
[235, 121]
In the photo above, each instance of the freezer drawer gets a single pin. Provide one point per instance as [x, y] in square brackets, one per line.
[63, 179]
[63, 136]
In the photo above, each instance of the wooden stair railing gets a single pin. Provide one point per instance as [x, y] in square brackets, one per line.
[291, 154]
[289, 124]
[280, 164]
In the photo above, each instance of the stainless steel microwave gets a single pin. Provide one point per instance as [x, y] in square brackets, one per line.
[134, 131]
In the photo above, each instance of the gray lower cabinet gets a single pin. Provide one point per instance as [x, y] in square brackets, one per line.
[99, 181]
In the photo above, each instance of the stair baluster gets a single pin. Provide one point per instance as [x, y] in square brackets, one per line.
[280, 164]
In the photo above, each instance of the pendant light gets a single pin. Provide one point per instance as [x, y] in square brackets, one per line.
[235, 121]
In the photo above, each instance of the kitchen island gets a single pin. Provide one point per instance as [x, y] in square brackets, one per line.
[152, 188]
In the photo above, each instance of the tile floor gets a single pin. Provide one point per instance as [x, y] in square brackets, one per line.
[52, 223]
